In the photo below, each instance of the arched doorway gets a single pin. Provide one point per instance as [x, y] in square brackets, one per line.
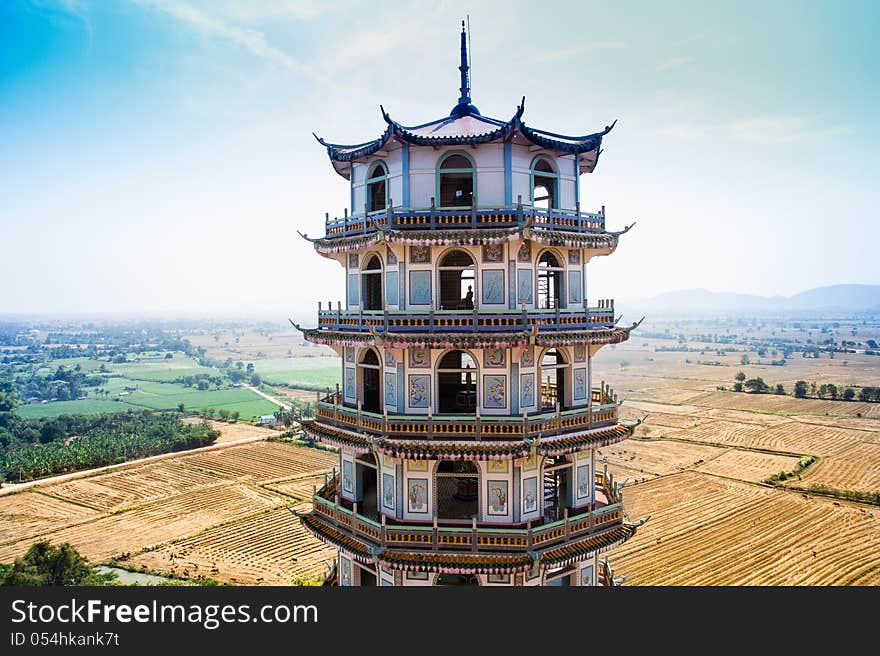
[553, 374]
[456, 181]
[456, 384]
[457, 278]
[371, 284]
[370, 379]
[458, 485]
[550, 272]
[365, 477]
[544, 184]
[456, 579]
[558, 493]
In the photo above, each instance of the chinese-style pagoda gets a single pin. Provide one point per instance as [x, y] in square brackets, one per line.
[468, 419]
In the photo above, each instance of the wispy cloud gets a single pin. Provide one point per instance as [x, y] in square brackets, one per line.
[252, 40]
[674, 62]
[573, 52]
[784, 129]
[66, 9]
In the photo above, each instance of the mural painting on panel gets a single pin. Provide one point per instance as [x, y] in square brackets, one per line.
[584, 482]
[526, 390]
[497, 497]
[493, 253]
[580, 353]
[353, 261]
[587, 576]
[344, 571]
[525, 252]
[390, 360]
[580, 383]
[574, 286]
[496, 466]
[419, 391]
[498, 578]
[417, 495]
[418, 465]
[530, 463]
[418, 357]
[349, 354]
[347, 476]
[391, 284]
[493, 357]
[417, 576]
[419, 254]
[528, 356]
[391, 389]
[495, 391]
[420, 287]
[349, 383]
[574, 257]
[353, 290]
[388, 491]
[523, 286]
[390, 257]
[493, 287]
[530, 494]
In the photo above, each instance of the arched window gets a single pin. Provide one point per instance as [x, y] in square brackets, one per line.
[371, 284]
[457, 383]
[371, 375]
[457, 277]
[458, 485]
[545, 184]
[377, 187]
[456, 181]
[550, 272]
[553, 369]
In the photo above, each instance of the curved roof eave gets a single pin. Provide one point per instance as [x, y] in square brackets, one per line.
[589, 145]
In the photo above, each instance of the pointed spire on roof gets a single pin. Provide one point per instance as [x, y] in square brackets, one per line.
[464, 106]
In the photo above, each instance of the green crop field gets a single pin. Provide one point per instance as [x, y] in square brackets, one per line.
[308, 371]
[85, 407]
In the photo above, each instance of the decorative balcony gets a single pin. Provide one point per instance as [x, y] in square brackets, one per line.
[595, 519]
[465, 321]
[474, 218]
[603, 412]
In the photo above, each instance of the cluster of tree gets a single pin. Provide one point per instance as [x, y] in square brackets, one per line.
[45, 565]
[231, 416]
[754, 385]
[831, 391]
[36, 448]
[200, 381]
[62, 384]
[299, 412]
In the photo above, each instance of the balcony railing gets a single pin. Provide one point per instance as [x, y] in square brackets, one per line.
[540, 534]
[473, 218]
[445, 321]
[603, 412]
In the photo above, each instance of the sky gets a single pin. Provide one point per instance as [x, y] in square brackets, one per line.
[157, 156]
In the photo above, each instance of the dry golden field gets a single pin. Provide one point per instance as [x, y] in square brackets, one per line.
[225, 509]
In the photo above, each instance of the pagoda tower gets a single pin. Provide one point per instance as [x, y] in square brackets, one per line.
[469, 414]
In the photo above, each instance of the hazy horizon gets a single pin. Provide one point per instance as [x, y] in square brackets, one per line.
[160, 157]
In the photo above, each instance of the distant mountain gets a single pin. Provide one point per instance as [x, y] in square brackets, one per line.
[839, 298]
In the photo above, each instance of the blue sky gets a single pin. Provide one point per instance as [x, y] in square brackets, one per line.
[157, 155]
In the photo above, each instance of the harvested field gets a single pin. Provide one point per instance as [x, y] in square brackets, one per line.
[658, 457]
[264, 461]
[751, 466]
[788, 405]
[29, 513]
[746, 417]
[857, 469]
[133, 486]
[267, 549]
[741, 534]
[721, 432]
[232, 432]
[299, 488]
[807, 438]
